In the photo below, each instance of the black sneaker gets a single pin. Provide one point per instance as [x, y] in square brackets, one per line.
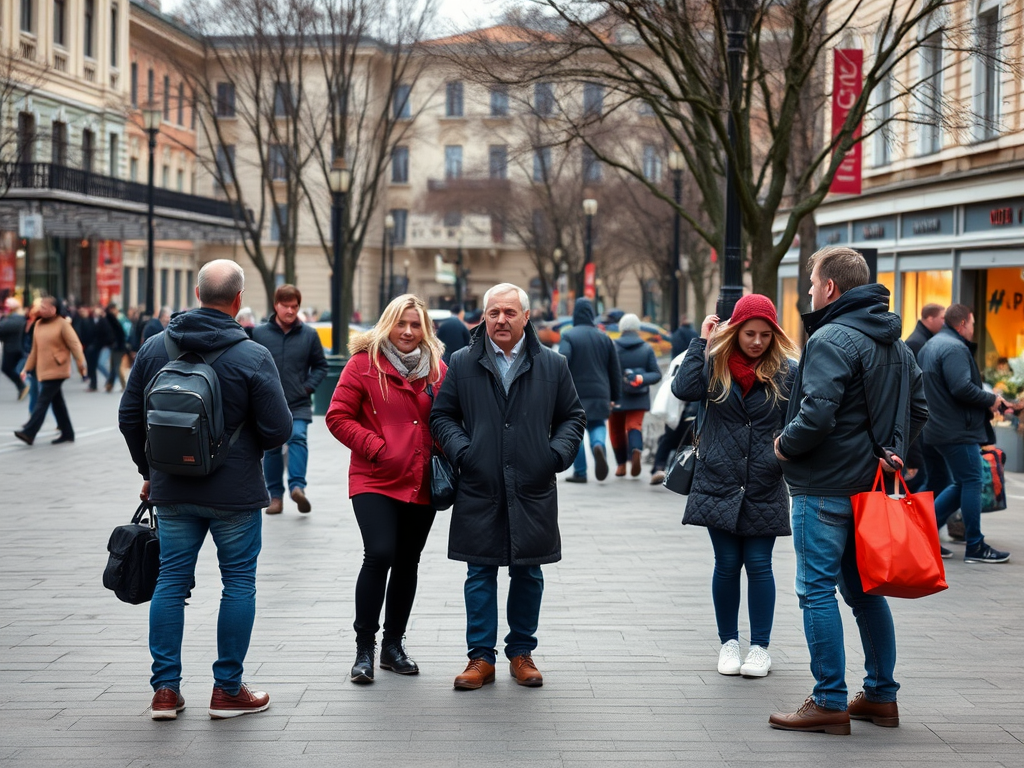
[946, 554]
[576, 479]
[983, 553]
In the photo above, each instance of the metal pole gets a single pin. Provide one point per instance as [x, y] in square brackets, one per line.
[391, 267]
[732, 266]
[588, 250]
[458, 274]
[677, 188]
[383, 269]
[151, 247]
[337, 274]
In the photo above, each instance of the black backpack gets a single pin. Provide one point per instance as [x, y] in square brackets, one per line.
[134, 560]
[185, 416]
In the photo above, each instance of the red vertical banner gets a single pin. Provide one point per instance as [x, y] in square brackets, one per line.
[109, 261]
[8, 264]
[589, 280]
[847, 84]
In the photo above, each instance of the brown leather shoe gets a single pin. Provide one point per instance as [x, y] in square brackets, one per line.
[883, 713]
[525, 671]
[167, 703]
[299, 497]
[634, 462]
[276, 507]
[478, 673]
[812, 718]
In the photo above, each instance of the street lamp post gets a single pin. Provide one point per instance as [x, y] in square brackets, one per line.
[151, 117]
[736, 15]
[341, 178]
[675, 164]
[405, 279]
[459, 290]
[389, 228]
[589, 210]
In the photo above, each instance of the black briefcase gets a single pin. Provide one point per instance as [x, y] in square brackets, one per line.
[134, 560]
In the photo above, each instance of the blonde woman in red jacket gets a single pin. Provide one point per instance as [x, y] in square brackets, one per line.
[381, 411]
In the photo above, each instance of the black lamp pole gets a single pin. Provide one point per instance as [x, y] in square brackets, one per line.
[340, 179]
[736, 15]
[381, 296]
[675, 162]
[151, 118]
[458, 270]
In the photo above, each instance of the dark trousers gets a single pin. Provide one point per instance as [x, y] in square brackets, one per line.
[92, 360]
[9, 366]
[393, 537]
[668, 442]
[50, 395]
[115, 367]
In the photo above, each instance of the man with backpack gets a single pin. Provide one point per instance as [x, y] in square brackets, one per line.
[209, 479]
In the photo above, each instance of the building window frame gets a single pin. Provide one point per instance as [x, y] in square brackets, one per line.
[225, 99]
[453, 161]
[401, 108]
[89, 28]
[400, 165]
[541, 163]
[987, 95]
[499, 100]
[497, 161]
[454, 102]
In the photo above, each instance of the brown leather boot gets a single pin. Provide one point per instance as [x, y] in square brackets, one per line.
[883, 713]
[525, 671]
[812, 718]
[276, 506]
[478, 673]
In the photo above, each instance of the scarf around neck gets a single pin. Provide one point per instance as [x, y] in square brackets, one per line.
[412, 366]
[743, 370]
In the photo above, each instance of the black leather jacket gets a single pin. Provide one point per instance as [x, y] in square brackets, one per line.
[952, 382]
[854, 360]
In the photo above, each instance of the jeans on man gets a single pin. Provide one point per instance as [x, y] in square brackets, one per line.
[525, 589]
[964, 464]
[237, 535]
[826, 558]
[597, 433]
[298, 455]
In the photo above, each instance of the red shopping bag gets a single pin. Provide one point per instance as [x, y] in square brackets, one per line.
[897, 542]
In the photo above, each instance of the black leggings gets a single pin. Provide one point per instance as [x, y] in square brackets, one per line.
[393, 537]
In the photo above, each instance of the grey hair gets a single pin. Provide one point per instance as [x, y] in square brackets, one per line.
[245, 313]
[502, 288]
[219, 282]
[629, 322]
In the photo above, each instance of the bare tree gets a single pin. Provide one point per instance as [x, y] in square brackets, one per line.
[19, 79]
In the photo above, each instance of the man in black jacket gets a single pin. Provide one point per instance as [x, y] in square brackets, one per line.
[508, 418]
[930, 466]
[453, 332]
[299, 356]
[932, 317]
[858, 400]
[225, 503]
[956, 429]
[594, 365]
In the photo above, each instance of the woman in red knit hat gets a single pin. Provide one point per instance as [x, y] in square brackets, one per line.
[741, 373]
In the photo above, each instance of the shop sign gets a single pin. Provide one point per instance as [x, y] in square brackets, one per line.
[832, 235]
[927, 223]
[847, 84]
[874, 229]
[8, 263]
[109, 263]
[986, 217]
[30, 225]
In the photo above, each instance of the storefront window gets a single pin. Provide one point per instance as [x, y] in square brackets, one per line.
[1004, 314]
[889, 281]
[920, 288]
[790, 313]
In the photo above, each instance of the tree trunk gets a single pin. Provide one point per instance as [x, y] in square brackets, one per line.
[764, 271]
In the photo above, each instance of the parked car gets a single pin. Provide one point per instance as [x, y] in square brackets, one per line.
[323, 330]
[550, 333]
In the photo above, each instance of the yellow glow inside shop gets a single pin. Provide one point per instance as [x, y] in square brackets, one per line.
[920, 288]
[1004, 314]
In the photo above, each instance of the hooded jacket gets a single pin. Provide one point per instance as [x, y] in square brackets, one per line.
[507, 448]
[299, 357]
[251, 394]
[952, 382]
[854, 361]
[636, 355]
[918, 339]
[593, 363]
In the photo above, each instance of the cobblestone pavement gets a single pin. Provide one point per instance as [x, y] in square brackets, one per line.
[627, 640]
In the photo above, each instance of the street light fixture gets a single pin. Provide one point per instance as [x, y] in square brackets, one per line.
[388, 267]
[151, 119]
[340, 180]
[736, 16]
[675, 164]
[589, 210]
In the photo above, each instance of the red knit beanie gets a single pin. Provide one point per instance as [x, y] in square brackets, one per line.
[754, 305]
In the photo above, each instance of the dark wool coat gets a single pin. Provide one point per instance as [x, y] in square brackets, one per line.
[738, 485]
[593, 363]
[507, 448]
[299, 357]
[918, 338]
[957, 403]
[636, 355]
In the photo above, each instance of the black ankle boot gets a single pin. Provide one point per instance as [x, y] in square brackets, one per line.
[362, 670]
[394, 657]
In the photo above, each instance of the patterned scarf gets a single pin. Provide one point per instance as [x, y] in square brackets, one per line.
[743, 370]
[413, 366]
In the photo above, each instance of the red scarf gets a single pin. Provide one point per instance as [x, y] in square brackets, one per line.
[743, 370]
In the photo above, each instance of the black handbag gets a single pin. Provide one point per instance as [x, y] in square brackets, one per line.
[444, 480]
[683, 464]
[134, 560]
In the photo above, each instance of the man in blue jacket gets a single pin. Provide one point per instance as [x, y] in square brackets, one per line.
[225, 503]
[958, 405]
[299, 356]
[857, 400]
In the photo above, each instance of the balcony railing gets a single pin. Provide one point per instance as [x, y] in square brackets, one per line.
[426, 231]
[60, 178]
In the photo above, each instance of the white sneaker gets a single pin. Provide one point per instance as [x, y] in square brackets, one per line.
[729, 658]
[757, 664]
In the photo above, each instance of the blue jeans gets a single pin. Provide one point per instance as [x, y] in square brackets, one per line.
[525, 588]
[33, 384]
[183, 528]
[732, 554]
[598, 435]
[298, 455]
[826, 558]
[963, 462]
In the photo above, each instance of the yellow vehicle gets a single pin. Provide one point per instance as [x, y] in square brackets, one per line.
[324, 332]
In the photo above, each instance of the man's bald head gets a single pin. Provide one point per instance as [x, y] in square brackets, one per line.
[220, 285]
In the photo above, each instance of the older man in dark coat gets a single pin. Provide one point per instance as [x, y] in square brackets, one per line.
[508, 418]
[594, 365]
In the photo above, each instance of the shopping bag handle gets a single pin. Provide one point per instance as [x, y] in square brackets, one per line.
[879, 484]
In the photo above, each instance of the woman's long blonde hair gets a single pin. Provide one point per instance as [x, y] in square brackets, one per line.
[774, 360]
[371, 341]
